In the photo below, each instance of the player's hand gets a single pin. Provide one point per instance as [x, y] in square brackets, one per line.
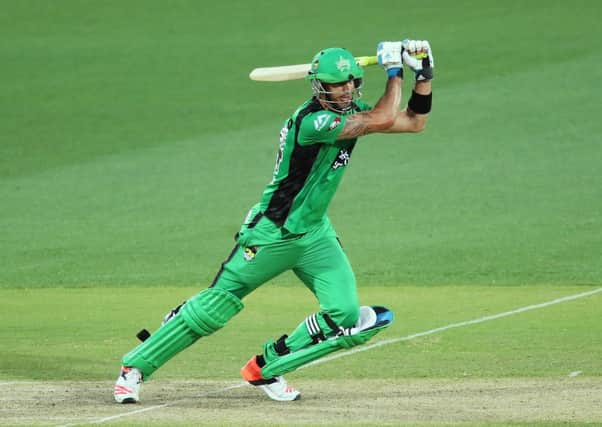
[418, 56]
[389, 56]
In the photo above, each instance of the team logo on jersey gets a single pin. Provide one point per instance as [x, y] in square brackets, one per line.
[335, 123]
[320, 121]
[342, 158]
[343, 64]
[249, 253]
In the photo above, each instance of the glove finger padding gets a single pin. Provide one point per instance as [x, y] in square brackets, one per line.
[417, 55]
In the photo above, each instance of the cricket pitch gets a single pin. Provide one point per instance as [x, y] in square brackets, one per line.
[353, 402]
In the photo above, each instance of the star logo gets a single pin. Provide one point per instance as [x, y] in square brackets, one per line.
[343, 64]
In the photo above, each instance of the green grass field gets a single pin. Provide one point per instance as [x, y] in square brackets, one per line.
[132, 144]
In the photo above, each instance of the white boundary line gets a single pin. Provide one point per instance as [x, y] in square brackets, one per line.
[369, 347]
[127, 414]
[455, 325]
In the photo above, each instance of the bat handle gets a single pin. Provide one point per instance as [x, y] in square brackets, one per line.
[362, 61]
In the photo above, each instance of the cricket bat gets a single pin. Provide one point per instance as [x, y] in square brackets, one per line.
[295, 72]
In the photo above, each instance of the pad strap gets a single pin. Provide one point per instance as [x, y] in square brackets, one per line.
[280, 346]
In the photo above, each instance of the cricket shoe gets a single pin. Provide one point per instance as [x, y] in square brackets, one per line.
[127, 387]
[276, 388]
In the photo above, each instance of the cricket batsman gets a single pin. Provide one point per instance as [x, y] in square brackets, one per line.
[289, 228]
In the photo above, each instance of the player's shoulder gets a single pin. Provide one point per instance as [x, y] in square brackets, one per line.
[312, 114]
[308, 108]
[320, 121]
[316, 118]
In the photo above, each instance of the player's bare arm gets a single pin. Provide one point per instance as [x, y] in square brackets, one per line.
[383, 115]
[379, 119]
[408, 120]
[417, 55]
[386, 117]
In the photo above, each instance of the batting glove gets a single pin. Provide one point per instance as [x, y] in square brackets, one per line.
[418, 56]
[389, 56]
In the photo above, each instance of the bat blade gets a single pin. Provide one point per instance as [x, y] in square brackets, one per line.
[279, 74]
[296, 72]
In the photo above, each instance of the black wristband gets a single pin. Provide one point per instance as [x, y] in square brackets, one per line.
[420, 104]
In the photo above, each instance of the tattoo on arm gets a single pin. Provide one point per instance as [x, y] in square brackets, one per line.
[355, 125]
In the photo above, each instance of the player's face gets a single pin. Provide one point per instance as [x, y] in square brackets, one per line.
[341, 94]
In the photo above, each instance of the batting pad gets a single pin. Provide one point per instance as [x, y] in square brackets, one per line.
[202, 315]
[372, 320]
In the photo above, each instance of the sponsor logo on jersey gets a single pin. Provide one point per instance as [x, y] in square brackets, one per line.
[342, 159]
[249, 253]
[320, 121]
[335, 123]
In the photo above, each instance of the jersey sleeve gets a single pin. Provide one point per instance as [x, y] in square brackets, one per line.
[362, 106]
[321, 127]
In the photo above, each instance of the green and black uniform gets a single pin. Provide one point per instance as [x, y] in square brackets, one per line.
[289, 228]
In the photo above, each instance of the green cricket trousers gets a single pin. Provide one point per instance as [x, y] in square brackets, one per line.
[263, 251]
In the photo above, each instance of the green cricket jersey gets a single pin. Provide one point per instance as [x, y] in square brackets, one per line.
[309, 167]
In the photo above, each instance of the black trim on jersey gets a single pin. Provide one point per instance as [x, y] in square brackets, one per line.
[300, 165]
[221, 270]
[255, 220]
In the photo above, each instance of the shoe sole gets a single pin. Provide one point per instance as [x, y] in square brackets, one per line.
[276, 397]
